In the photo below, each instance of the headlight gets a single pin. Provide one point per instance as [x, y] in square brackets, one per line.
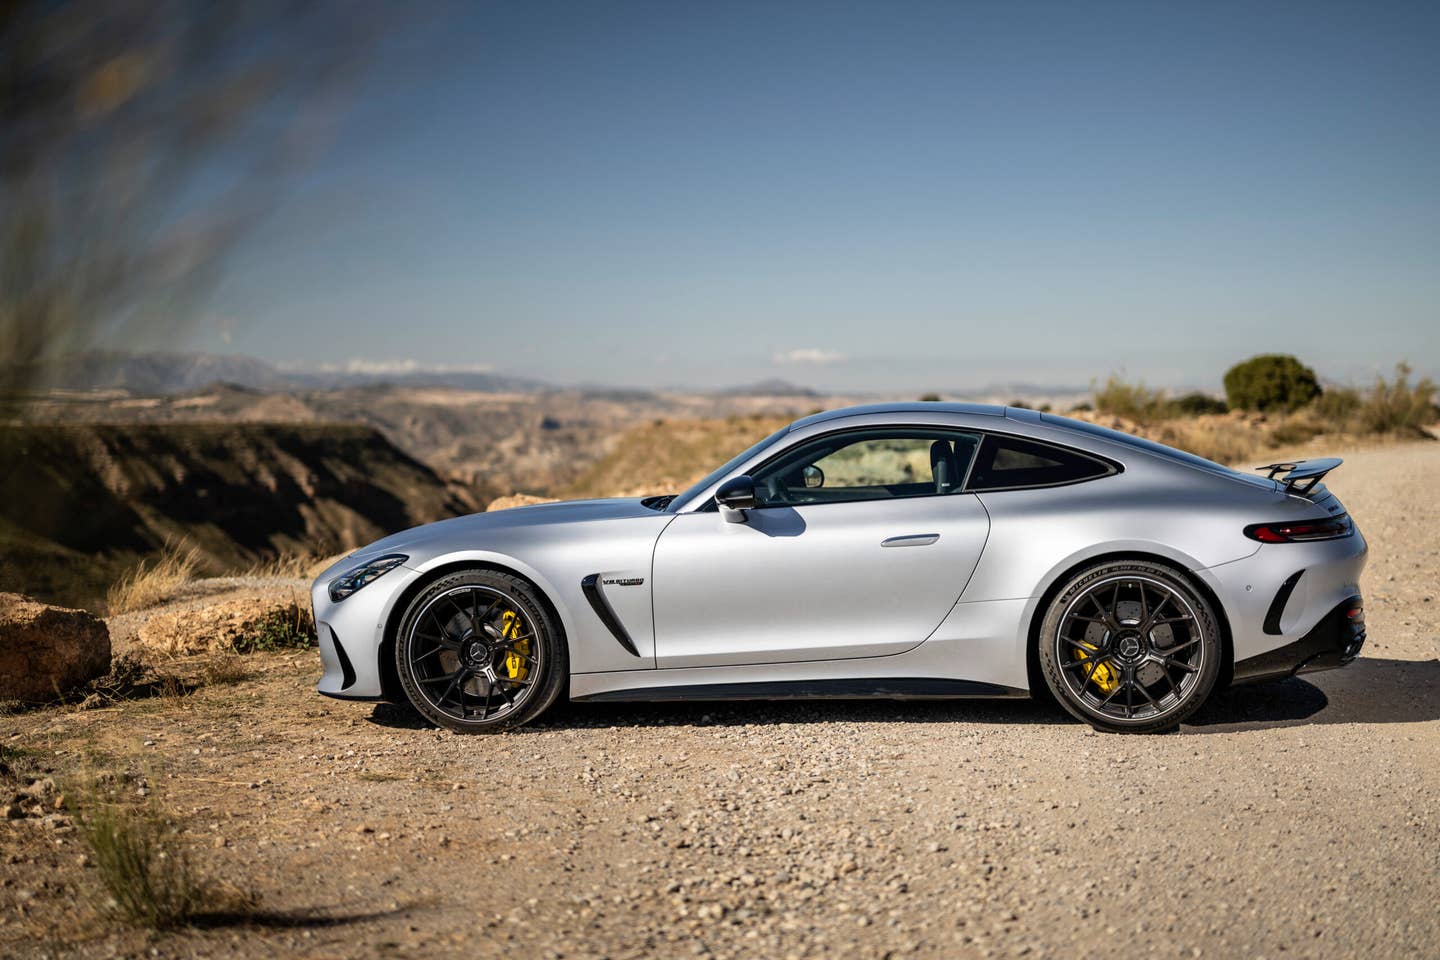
[357, 577]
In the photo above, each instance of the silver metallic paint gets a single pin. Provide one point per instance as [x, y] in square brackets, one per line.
[808, 592]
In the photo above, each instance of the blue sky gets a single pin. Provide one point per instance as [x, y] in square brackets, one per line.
[887, 196]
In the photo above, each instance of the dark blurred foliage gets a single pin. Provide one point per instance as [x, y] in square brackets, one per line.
[139, 139]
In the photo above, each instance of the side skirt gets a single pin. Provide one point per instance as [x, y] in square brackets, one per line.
[867, 688]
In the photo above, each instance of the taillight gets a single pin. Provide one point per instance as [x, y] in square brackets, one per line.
[1331, 528]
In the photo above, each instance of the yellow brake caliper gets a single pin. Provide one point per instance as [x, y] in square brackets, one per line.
[515, 667]
[1104, 675]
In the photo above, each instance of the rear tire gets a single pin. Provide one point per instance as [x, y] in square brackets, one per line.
[1130, 646]
[478, 651]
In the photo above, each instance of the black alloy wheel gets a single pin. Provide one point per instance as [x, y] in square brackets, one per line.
[477, 651]
[1130, 646]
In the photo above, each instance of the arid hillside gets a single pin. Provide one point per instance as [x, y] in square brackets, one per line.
[495, 443]
[78, 504]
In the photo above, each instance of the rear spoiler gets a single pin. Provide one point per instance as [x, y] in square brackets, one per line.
[1298, 473]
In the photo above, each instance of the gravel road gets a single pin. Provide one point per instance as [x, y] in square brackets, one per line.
[1296, 819]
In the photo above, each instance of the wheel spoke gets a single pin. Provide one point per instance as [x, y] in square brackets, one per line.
[1181, 665]
[444, 634]
[1109, 619]
[495, 685]
[1152, 619]
[1146, 693]
[459, 678]
[1171, 651]
[1110, 696]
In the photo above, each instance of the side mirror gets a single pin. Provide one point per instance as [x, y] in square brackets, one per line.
[814, 476]
[737, 493]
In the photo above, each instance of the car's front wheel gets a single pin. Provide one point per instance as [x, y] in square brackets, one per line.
[1130, 646]
[478, 651]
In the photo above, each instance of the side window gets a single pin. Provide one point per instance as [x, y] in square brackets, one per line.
[869, 465]
[1008, 462]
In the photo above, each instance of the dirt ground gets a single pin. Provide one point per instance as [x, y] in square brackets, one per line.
[1296, 819]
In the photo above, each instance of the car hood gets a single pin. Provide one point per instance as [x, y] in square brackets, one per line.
[474, 527]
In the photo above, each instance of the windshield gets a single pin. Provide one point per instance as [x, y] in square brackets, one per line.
[720, 472]
[1150, 446]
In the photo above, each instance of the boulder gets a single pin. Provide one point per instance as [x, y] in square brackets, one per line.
[516, 500]
[253, 620]
[46, 651]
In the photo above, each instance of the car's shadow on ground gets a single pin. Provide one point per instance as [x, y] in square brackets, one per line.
[1370, 690]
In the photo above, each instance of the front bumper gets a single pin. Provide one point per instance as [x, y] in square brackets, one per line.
[351, 633]
[1333, 642]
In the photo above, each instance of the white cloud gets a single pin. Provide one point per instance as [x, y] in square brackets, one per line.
[809, 356]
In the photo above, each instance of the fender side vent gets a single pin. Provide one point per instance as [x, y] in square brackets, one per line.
[1277, 606]
[591, 588]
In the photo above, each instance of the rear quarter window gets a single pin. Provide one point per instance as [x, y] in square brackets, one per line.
[1010, 463]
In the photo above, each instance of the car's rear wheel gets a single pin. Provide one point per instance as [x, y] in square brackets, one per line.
[478, 651]
[1130, 646]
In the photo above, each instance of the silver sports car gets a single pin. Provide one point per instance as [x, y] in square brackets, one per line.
[915, 550]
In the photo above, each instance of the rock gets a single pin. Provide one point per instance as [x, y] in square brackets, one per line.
[46, 651]
[222, 627]
[516, 500]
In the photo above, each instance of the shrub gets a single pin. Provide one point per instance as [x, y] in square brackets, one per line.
[1271, 381]
[1134, 401]
[1336, 406]
[148, 584]
[1196, 404]
[148, 876]
[284, 628]
[1397, 407]
[930, 398]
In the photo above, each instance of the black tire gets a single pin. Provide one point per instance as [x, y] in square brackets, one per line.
[478, 651]
[1135, 628]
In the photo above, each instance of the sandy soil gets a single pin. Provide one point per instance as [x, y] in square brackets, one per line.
[1298, 819]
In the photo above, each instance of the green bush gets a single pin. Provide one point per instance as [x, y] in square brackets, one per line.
[1196, 404]
[286, 628]
[1135, 401]
[1271, 382]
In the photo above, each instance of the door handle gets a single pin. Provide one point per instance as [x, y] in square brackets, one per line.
[911, 540]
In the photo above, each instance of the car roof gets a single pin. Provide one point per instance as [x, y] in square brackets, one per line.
[900, 408]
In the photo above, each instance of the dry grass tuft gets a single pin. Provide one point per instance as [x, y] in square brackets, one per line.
[289, 566]
[132, 677]
[224, 669]
[149, 878]
[153, 583]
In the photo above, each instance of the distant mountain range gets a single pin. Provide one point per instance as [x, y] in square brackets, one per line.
[168, 373]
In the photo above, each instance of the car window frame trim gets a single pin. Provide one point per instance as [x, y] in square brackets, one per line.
[1115, 468]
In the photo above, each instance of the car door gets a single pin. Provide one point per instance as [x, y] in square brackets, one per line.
[861, 545]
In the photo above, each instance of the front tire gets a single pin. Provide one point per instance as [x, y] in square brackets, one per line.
[1130, 646]
[477, 651]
